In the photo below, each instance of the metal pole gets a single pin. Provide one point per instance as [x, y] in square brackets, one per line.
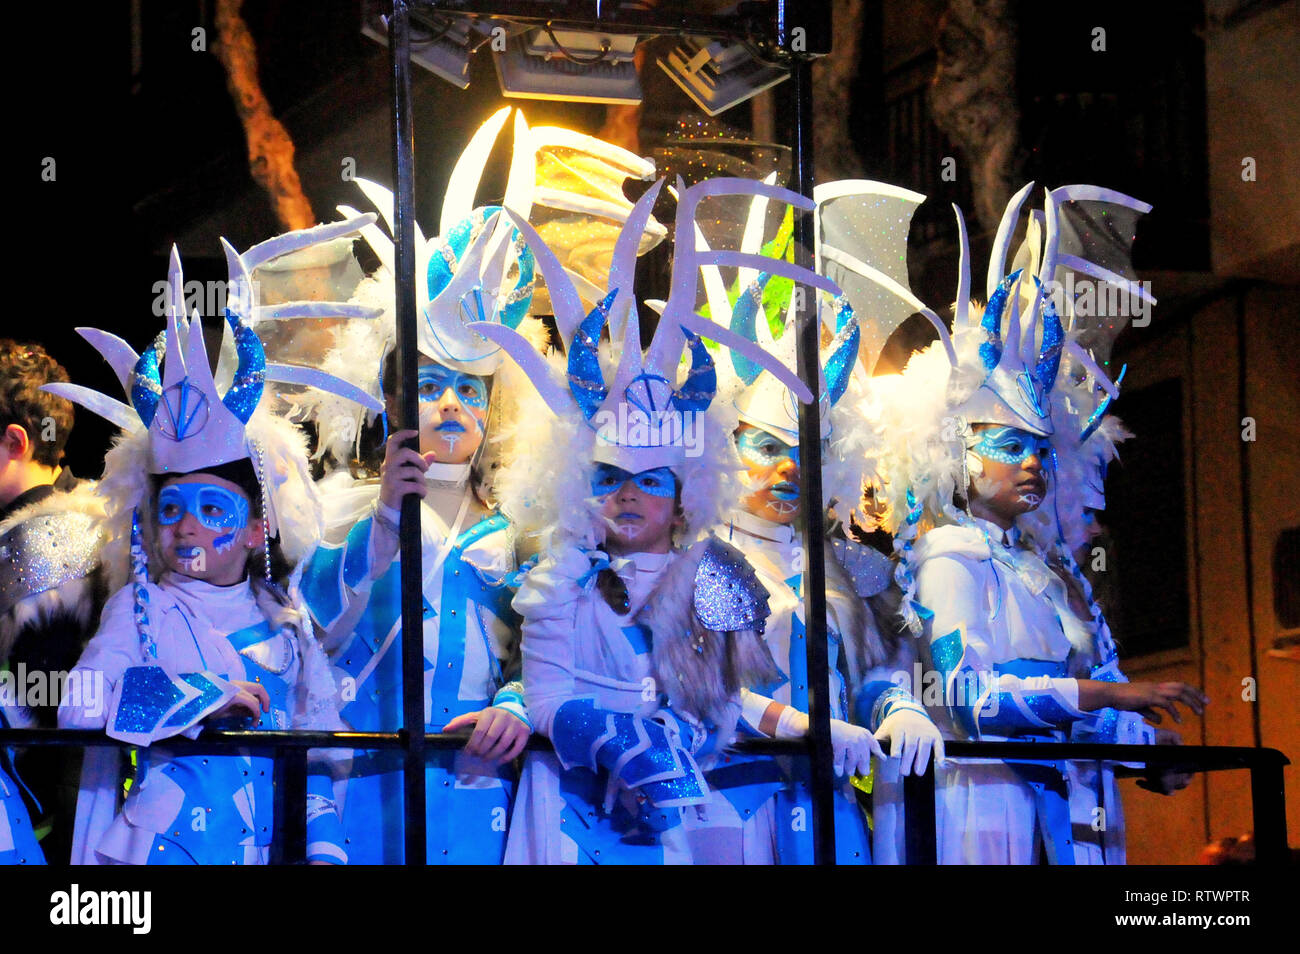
[399, 46]
[289, 841]
[1268, 804]
[918, 819]
[810, 471]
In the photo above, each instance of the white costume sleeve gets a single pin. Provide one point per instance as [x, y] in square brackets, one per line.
[131, 700]
[547, 603]
[982, 692]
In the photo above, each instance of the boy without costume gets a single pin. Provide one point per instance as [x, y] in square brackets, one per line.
[50, 595]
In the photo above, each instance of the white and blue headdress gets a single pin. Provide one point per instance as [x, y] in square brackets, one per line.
[861, 229]
[1094, 281]
[177, 419]
[642, 416]
[1000, 366]
[473, 273]
[479, 268]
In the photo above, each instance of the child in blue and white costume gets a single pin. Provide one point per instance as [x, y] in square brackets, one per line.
[204, 487]
[971, 450]
[478, 270]
[1065, 527]
[764, 794]
[633, 721]
[470, 635]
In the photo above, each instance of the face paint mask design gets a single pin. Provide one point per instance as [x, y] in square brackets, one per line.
[1011, 445]
[471, 390]
[758, 448]
[762, 451]
[659, 482]
[216, 508]
[434, 379]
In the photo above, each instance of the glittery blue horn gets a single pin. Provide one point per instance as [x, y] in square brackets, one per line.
[991, 350]
[585, 378]
[701, 384]
[1094, 420]
[245, 391]
[146, 381]
[844, 350]
[1049, 354]
[744, 316]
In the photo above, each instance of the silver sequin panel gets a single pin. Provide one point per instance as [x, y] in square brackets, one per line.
[728, 594]
[869, 569]
[45, 552]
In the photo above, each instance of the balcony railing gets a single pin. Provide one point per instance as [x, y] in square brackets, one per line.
[289, 752]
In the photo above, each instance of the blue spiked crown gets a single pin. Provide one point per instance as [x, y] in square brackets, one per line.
[1019, 371]
[173, 395]
[642, 418]
[767, 402]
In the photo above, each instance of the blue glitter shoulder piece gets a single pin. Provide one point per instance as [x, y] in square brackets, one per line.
[728, 593]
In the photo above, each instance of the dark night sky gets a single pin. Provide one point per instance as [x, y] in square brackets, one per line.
[160, 158]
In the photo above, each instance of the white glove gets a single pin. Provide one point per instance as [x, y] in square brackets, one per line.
[911, 736]
[852, 745]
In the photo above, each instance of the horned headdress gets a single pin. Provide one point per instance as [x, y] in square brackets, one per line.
[646, 414]
[178, 419]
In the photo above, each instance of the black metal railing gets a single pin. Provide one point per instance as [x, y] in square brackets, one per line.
[289, 749]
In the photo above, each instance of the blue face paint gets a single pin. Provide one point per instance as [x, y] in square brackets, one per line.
[1011, 445]
[434, 379]
[758, 448]
[216, 508]
[659, 482]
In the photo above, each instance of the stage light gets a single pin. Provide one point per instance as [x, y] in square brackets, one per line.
[719, 75]
[441, 45]
[573, 65]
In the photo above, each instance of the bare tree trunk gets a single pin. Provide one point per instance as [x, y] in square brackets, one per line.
[973, 98]
[270, 150]
[833, 76]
